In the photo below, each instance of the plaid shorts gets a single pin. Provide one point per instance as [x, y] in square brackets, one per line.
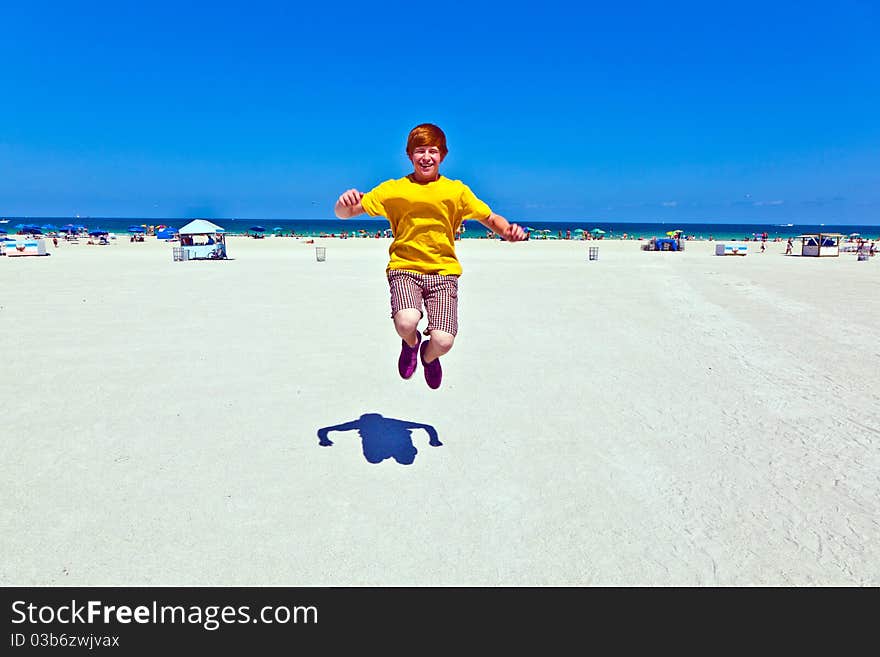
[438, 293]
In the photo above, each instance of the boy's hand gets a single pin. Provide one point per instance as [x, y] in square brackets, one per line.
[513, 233]
[350, 198]
[348, 205]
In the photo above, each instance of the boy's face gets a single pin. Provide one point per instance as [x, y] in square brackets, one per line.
[426, 163]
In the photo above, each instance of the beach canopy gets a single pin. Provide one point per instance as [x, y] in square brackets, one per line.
[257, 229]
[200, 227]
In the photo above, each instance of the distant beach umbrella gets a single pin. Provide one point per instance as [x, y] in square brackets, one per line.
[258, 229]
[136, 229]
[579, 230]
[597, 231]
[97, 232]
[49, 228]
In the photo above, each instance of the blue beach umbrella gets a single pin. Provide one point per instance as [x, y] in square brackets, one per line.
[137, 229]
[97, 232]
[258, 229]
[49, 228]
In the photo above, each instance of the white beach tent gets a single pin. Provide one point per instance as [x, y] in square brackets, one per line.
[200, 227]
[213, 247]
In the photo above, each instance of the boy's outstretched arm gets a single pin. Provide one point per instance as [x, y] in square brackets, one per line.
[348, 205]
[501, 226]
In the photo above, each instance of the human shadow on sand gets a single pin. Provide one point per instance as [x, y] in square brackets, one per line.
[383, 437]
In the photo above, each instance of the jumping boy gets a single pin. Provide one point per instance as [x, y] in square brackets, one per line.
[425, 210]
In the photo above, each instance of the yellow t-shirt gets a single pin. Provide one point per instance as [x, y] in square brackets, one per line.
[424, 219]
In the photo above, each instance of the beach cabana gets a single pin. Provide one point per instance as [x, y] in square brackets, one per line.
[820, 244]
[202, 240]
[24, 247]
[736, 248]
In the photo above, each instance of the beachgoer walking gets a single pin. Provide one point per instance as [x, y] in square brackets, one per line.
[762, 247]
[424, 209]
[788, 246]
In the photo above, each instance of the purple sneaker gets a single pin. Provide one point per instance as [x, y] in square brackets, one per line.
[433, 371]
[406, 363]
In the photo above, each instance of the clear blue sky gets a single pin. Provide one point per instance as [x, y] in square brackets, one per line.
[642, 111]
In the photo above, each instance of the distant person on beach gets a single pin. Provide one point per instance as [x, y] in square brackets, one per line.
[788, 246]
[762, 246]
[425, 210]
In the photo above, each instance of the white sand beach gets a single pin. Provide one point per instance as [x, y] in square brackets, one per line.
[643, 419]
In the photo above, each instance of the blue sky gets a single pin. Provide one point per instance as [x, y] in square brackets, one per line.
[750, 111]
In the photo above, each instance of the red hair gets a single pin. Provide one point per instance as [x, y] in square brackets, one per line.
[426, 134]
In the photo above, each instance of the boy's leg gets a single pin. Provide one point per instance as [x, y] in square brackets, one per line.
[406, 303]
[441, 303]
[439, 344]
[406, 323]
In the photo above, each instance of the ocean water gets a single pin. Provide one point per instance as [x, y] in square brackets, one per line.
[473, 229]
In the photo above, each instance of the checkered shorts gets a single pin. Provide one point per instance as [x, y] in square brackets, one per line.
[438, 293]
